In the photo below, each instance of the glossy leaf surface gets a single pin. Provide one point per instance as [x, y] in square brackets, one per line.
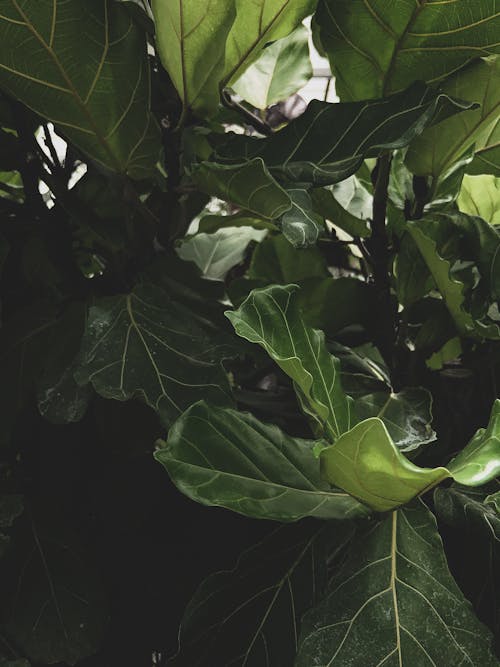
[366, 463]
[395, 603]
[328, 142]
[271, 318]
[145, 344]
[84, 67]
[218, 456]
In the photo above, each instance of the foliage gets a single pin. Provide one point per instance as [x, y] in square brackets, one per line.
[289, 315]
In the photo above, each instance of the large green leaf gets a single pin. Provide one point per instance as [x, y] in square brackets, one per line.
[281, 70]
[248, 185]
[479, 462]
[301, 225]
[83, 66]
[251, 615]
[437, 149]
[56, 610]
[328, 142]
[480, 195]
[191, 37]
[145, 344]
[395, 603]
[487, 152]
[257, 23]
[377, 48]
[366, 463]
[271, 318]
[218, 456]
[407, 415]
[326, 204]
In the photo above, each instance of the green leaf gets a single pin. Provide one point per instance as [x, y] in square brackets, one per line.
[394, 602]
[249, 186]
[271, 318]
[480, 195]
[376, 49]
[407, 415]
[276, 261]
[281, 70]
[366, 463]
[216, 254]
[57, 609]
[251, 615]
[479, 462]
[256, 24]
[340, 136]
[487, 152]
[301, 225]
[60, 399]
[326, 204]
[460, 505]
[190, 38]
[439, 147]
[83, 66]
[431, 234]
[218, 456]
[494, 499]
[413, 278]
[146, 344]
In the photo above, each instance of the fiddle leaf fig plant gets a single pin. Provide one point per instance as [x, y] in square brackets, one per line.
[250, 337]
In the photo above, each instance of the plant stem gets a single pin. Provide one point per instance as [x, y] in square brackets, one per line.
[378, 246]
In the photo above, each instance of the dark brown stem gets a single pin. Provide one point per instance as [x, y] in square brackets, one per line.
[380, 255]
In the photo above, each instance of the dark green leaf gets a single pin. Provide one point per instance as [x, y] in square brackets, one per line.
[57, 611]
[394, 602]
[459, 505]
[218, 456]
[487, 152]
[407, 415]
[145, 344]
[281, 70]
[377, 49]
[271, 318]
[326, 204]
[84, 67]
[211, 223]
[328, 142]
[60, 399]
[248, 185]
[251, 615]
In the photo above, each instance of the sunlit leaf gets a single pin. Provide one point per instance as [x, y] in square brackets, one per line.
[281, 70]
[480, 195]
[190, 37]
